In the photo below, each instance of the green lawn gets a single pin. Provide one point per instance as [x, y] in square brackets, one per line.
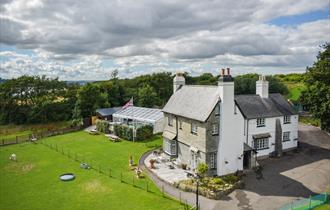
[295, 90]
[32, 182]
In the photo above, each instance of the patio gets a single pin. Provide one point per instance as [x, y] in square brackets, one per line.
[165, 169]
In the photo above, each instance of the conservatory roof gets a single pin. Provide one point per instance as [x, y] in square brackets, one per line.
[140, 114]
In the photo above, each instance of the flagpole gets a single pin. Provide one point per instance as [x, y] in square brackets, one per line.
[133, 119]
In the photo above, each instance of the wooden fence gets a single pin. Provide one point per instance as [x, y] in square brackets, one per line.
[37, 135]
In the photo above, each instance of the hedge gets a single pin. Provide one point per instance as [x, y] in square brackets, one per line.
[126, 132]
[102, 126]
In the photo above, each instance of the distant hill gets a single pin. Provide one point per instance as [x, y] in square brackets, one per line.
[80, 82]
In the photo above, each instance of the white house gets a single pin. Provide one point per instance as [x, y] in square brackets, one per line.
[210, 124]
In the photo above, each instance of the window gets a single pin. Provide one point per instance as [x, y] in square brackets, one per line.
[180, 124]
[215, 129]
[260, 122]
[260, 144]
[213, 157]
[194, 128]
[170, 120]
[217, 110]
[286, 136]
[170, 147]
[287, 119]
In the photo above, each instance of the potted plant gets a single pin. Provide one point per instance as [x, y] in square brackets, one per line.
[152, 163]
[184, 166]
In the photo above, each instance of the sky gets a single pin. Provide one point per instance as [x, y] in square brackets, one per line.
[88, 39]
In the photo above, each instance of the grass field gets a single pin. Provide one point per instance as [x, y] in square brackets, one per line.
[11, 131]
[32, 182]
[295, 90]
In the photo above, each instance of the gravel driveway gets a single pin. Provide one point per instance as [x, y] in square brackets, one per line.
[292, 176]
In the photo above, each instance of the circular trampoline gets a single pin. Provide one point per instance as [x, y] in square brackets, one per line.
[67, 177]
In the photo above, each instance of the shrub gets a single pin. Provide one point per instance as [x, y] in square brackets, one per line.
[102, 126]
[217, 181]
[230, 178]
[126, 132]
[202, 168]
[144, 132]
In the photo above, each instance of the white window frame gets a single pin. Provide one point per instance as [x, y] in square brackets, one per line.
[287, 119]
[261, 143]
[215, 129]
[194, 128]
[261, 122]
[170, 120]
[286, 136]
[213, 160]
[170, 147]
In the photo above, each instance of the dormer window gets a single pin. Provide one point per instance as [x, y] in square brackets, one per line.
[170, 120]
[260, 122]
[217, 110]
[287, 119]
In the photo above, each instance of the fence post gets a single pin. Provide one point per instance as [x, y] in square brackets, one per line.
[180, 197]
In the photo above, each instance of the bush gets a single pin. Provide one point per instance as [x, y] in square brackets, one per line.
[202, 168]
[230, 178]
[144, 132]
[217, 181]
[102, 126]
[126, 132]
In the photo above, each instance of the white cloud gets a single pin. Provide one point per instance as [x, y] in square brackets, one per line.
[69, 36]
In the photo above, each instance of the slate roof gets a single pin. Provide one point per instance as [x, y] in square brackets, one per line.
[197, 102]
[107, 111]
[140, 114]
[193, 101]
[253, 106]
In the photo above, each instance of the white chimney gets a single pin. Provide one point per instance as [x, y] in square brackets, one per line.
[178, 81]
[230, 144]
[262, 87]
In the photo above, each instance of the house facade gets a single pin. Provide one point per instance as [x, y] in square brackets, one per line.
[210, 124]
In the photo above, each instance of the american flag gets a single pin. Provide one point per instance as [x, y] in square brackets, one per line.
[129, 103]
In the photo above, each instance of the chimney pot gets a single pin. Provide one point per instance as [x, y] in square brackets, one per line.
[228, 71]
[222, 72]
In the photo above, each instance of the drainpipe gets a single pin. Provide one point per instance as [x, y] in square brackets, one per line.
[177, 134]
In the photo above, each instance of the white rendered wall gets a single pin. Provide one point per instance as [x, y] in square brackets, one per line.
[230, 149]
[270, 128]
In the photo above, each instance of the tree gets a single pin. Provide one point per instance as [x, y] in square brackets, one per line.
[147, 96]
[91, 97]
[114, 74]
[317, 94]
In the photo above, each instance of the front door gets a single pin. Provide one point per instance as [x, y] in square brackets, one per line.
[246, 159]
